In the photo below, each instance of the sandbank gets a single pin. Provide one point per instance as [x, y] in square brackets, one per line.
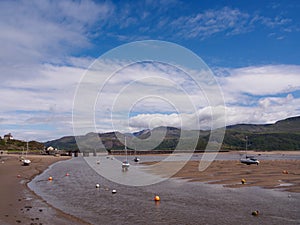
[19, 205]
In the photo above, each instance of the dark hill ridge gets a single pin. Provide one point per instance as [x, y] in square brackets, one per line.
[291, 124]
[282, 135]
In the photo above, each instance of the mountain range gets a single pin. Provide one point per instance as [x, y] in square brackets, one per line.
[282, 135]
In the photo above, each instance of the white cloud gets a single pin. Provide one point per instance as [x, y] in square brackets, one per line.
[261, 80]
[39, 31]
[211, 22]
[261, 94]
[268, 110]
[154, 95]
[226, 20]
[252, 95]
[40, 102]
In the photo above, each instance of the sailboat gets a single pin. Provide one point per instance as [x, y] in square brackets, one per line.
[125, 164]
[249, 159]
[25, 161]
[136, 159]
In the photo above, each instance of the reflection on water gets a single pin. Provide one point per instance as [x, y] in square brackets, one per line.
[181, 202]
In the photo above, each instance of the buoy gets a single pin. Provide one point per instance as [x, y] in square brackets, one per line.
[19, 176]
[156, 198]
[243, 181]
[50, 178]
[114, 191]
[285, 172]
[255, 213]
[67, 174]
[97, 185]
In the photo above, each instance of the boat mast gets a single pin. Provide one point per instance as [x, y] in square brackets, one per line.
[125, 148]
[246, 145]
[26, 148]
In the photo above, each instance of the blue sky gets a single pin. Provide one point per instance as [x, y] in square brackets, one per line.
[46, 47]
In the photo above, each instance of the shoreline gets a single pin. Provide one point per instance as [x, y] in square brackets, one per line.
[19, 204]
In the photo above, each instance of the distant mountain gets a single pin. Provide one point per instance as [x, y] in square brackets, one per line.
[282, 135]
[282, 126]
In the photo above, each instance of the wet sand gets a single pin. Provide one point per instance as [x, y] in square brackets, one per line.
[273, 174]
[18, 204]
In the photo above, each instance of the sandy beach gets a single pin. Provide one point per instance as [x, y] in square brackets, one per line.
[18, 204]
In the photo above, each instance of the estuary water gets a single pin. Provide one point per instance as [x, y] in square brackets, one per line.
[182, 202]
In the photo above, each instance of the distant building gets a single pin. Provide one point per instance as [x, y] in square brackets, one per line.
[8, 137]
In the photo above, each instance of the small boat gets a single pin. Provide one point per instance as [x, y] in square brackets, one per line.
[26, 162]
[136, 159]
[250, 160]
[125, 164]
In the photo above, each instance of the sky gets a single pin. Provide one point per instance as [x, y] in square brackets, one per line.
[48, 48]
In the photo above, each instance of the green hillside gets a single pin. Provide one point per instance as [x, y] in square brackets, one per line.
[17, 145]
[282, 135]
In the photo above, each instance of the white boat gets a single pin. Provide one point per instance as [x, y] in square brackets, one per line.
[250, 160]
[125, 163]
[25, 161]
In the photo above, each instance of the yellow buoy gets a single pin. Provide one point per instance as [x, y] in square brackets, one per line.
[243, 181]
[255, 213]
[50, 178]
[156, 198]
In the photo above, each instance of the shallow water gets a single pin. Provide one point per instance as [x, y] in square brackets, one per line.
[181, 202]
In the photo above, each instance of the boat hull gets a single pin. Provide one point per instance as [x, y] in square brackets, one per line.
[26, 162]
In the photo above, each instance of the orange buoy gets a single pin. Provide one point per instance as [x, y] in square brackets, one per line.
[243, 181]
[156, 198]
[50, 178]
